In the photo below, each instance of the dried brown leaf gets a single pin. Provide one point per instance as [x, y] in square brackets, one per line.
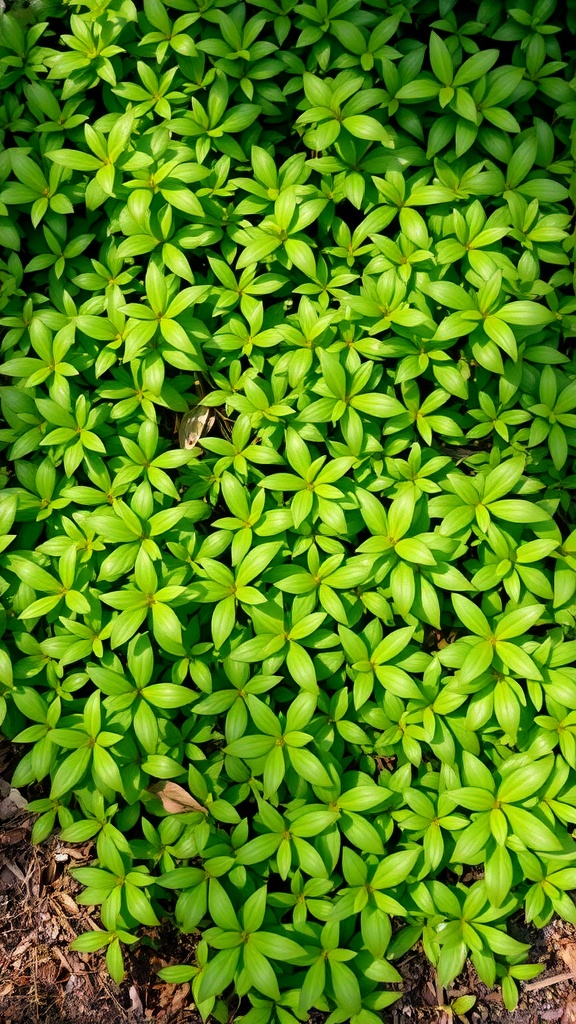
[193, 424]
[175, 799]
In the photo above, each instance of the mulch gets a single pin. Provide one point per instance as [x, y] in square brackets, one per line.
[549, 997]
[42, 981]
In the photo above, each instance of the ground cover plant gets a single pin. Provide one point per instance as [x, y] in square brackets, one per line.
[288, 570]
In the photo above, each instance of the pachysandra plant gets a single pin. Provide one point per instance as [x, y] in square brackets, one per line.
[287, 531]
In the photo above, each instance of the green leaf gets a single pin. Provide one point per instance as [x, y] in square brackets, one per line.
[419, 89]
[313, 986]
[308, 766]
[259, 849]
[162, 767]
[221, 908]
[530, 830]
[114, 961]
[219, 973]
[414, 550]
[381, 406]
[260, 972]
[251, 746]
[33, 575]
[517, 511]
[394, 869]
[451, 295]
[472, 617]
[474, 69]
[177, 975]
[75, 160]
[139, 906]
[518, 622]
[278, 947]
[346, 987]
[440, 59]
[167, 695]
[361, 126]
[391, 645]
[502, 480]
[526, 314]
[89, 942]
[70, 772]
[524, 782]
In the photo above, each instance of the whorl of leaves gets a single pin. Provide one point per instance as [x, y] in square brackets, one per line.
[288, 581]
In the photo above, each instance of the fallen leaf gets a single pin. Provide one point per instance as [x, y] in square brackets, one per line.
[75, 854]
[136, 1002]
[68, 903]
[172, 999]
[193, 424]
[175, 799]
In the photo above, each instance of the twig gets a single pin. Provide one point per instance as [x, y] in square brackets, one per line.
[555, 979]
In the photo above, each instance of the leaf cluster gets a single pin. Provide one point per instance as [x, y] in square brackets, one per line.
[287, 532]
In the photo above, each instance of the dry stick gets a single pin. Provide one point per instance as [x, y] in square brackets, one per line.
[546, 982]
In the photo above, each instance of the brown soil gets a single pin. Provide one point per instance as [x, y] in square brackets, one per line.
[43, 982]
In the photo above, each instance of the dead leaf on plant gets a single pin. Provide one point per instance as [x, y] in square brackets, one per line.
[175, 799]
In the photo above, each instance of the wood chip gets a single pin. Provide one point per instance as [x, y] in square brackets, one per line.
[14, 870]
[567, 951]
[56, 951]
[569, 1015]
[12, 804]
